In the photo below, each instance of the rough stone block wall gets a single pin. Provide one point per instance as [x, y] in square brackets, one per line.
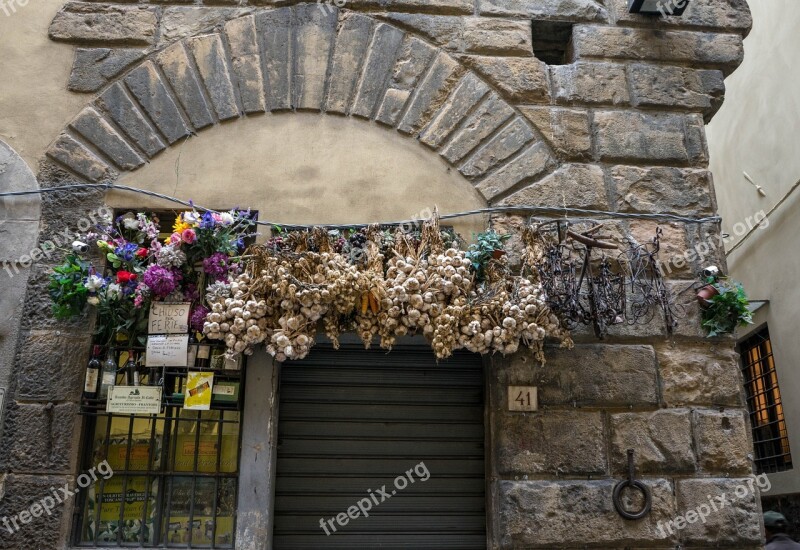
[618, 125]
[678, 406]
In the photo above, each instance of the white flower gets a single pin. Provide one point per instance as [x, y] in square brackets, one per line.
[94, 282]
[169, 256]
[191, 218]
[114, 291]
[129, 221]
[93, 300]
[226, 218]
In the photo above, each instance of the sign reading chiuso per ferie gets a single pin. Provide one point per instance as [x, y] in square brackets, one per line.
[169, 318]
[134, 400]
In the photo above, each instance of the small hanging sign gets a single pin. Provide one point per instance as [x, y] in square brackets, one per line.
[134, 400]
[199, 387]
[167, 350]
[169, 318]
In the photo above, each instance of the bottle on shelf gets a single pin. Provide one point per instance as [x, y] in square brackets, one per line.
[191, 351]
[154, 375]
[131, 370]
[203, 355]
[109, 376]
[92, 375]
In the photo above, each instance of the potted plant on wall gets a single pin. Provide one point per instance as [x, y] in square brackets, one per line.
[488, 246]
[725, 304]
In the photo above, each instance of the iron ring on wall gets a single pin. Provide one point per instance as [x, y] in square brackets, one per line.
[644, 489]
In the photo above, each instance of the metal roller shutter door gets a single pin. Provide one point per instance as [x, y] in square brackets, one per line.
[352, 420]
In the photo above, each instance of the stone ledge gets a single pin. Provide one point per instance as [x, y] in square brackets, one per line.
[520, 79]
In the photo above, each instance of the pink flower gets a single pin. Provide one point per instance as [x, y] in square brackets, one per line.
[188, 236]
[175, 238]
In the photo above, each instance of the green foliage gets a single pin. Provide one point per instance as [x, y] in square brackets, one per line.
[482, 251]
[727, 310]
[66, 287]
[119, 321]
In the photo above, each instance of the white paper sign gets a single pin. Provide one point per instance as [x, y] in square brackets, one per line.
[166, 350]
[169, 318]
[134, 400]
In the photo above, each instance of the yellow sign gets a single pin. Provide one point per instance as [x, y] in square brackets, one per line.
[198, 391]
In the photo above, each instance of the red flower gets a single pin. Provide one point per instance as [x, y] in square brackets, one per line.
[141, 253]
[188, 236]
[125, 276]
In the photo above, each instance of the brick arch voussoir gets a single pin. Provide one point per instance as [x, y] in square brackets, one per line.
[306, 57]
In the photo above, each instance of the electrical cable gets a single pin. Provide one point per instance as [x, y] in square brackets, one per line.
[766, 217]
[532, 210]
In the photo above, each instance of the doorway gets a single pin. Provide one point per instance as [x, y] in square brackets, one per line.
[380, 450]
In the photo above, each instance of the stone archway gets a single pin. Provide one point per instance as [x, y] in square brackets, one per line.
[307, 58]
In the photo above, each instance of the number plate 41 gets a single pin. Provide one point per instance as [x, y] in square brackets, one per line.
[522, 398]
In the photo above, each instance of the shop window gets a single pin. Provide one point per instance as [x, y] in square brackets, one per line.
[174, 481]
[770, 439]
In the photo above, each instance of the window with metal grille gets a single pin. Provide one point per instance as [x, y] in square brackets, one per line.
[764, 403]
[175, 474]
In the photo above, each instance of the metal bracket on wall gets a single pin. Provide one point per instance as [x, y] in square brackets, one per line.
[636, 484]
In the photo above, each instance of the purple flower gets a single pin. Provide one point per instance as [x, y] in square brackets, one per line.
[207, 221]
[160, 280]
[216, 266]
[198, 317]
[191, 294]
[127, 252]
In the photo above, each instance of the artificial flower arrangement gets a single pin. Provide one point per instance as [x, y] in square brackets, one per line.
[140, 268]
